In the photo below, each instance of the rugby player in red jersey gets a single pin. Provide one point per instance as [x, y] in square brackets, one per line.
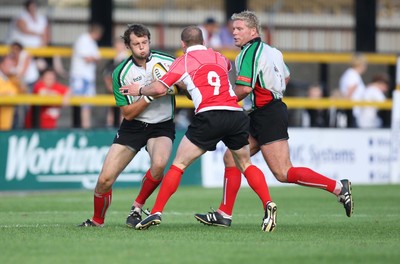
[262, 76]
[218, 117]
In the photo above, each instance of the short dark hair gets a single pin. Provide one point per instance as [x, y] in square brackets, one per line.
[381, 77]
[17, 44]
[138, 29]
[210, 21]
[30, 2]
[192, 35]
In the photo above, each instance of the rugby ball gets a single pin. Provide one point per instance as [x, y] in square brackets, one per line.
[158, 71]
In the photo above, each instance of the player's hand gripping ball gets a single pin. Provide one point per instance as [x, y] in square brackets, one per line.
[158, 71]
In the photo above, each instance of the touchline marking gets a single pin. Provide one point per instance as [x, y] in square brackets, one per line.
[131, 177]
[23, 226]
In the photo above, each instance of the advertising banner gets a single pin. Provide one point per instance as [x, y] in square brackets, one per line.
[70, 159]
[363, 156]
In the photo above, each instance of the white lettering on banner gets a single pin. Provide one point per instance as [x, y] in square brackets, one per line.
[363, 156]
[28, 156]
[69, 156]
[338, 156]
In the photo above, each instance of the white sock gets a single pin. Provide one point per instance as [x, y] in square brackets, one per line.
[338, 188]
[224, 214]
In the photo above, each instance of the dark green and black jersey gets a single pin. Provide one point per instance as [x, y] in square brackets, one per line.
[262, 68]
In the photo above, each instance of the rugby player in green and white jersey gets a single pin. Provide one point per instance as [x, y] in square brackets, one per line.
[147, 122]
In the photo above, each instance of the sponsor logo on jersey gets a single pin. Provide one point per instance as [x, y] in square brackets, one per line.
[139, 78]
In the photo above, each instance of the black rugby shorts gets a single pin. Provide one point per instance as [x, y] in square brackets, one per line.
[135, 134]
[210, 127]
[269, 123]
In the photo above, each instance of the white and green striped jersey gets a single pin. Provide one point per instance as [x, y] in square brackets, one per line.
[162, 108]
[262, 68]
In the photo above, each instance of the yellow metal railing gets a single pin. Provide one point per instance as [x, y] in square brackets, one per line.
[184, 102]
[299, 57]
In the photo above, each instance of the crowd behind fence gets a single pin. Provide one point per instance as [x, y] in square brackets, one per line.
[296, 101]
[316, 37]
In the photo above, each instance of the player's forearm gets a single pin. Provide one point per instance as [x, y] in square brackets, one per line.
[154, 89]
[242, 91]
[131, 111]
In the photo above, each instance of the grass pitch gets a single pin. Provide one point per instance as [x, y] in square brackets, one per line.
[312, 228]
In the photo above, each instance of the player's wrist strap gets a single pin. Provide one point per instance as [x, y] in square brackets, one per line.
[148, 99]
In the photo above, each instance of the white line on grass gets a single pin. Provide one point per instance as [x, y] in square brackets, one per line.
[30, 226]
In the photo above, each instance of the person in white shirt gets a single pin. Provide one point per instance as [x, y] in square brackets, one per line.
[26, 73]
[25, 67]
[352, 86]
[375, 92]
[30, 28]
[84, 60]
[210, 32]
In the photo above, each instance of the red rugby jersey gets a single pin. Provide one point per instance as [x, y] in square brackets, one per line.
[205, 73]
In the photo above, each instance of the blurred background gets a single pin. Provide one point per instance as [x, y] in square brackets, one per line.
[301, 29]
[318, 38]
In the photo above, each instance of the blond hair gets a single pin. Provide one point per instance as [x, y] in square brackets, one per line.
[249, 18]
[358, 60]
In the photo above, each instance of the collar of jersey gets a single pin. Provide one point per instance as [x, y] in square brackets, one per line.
[147, 60]
[257, 39]
[196, 47]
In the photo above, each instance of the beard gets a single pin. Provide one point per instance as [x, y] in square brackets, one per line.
[141, 56]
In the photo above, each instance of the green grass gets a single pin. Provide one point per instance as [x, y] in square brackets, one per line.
[312, 228]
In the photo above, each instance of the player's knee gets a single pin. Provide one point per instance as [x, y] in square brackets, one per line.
[104, 183]
[157, 172]
[158, 176]
[228, 159]
[281, 177]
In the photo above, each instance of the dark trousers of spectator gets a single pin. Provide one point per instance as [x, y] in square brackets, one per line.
[351, 120]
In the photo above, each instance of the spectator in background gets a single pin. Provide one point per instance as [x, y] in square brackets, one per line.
[121, 54]
[83, 68]
[48, 86]
[337, 118]
[315, 117]
[25, 67]
[26, 73]
[211, 36]
[375, 92]
[30, 28]
[7, 88]
[226, 35]
[352, 86]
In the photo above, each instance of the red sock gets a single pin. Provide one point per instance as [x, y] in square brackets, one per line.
[232, 180]
[308, 177]
[149, 184]
[169, 185]
[101, 203]
[256, 179]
